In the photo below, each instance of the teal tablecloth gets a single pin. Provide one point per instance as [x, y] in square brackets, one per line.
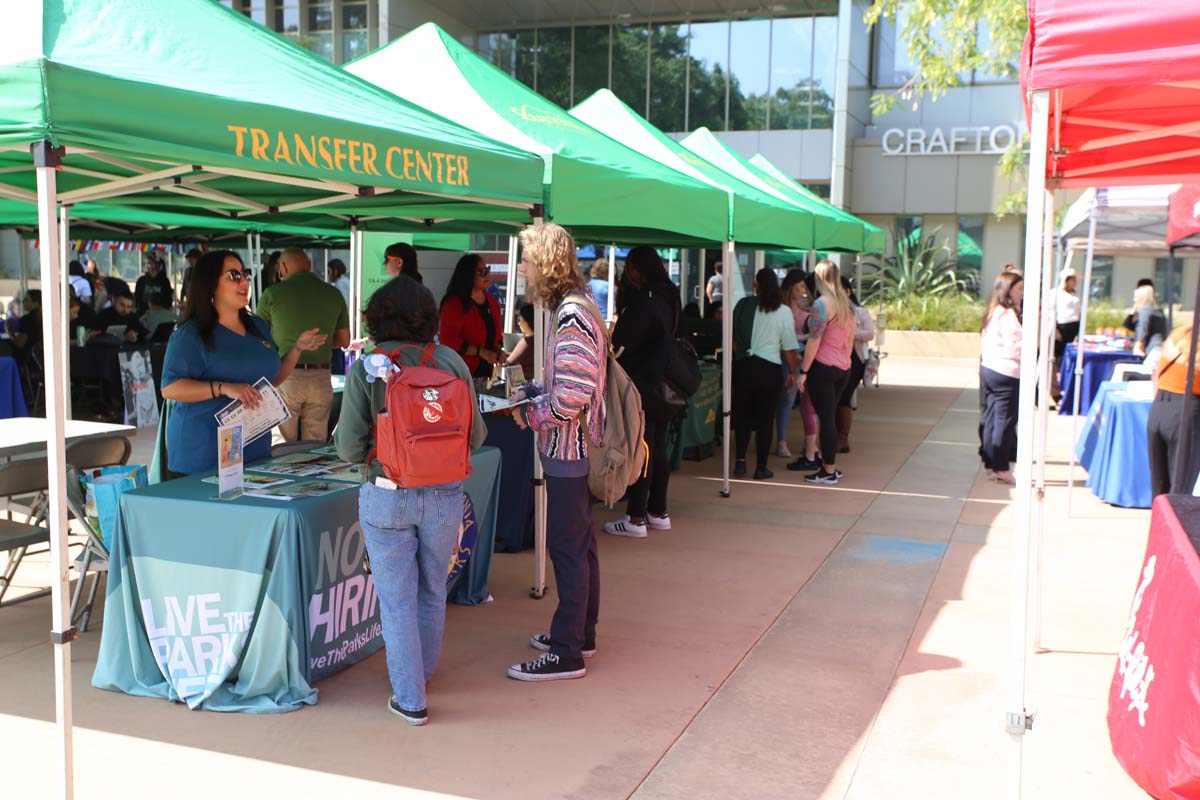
[243, 605]
[1112, 447]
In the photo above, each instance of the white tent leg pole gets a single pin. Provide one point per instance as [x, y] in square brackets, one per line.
[1017, 719]
[64, 255]
[541, 319]
[510, 287]
[52, 331]
[1083, 312]
[23, 247]
[1045, 378]
[730, 271]
[612, 283]
[683, 276]
[355, 286]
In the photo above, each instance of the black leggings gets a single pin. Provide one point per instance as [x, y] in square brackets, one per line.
[999, 419]
[857, 370]
[649, 492]
[1163, 429]
[756, 387]
[825, 385]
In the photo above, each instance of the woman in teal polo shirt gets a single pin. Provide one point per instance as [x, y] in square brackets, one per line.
[215, 356]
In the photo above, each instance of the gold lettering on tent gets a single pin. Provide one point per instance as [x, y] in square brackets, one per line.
[336, 154]
[306, 151]
[282, 153]
[259, 141]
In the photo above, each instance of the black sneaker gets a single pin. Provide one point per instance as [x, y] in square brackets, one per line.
[823, 477]
[763, 474]
[541, 641]
[804, 464]
[411, 717]
[546, 667]
[739, 468]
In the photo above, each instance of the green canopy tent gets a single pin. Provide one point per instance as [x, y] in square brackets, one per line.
[871, 239]
[597, 186]
[132, 103]
[758, 219]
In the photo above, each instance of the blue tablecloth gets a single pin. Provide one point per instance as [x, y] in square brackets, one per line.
[242, 605]
[12, 398]
[1097, 368]
[1112, 447]
[514, 513]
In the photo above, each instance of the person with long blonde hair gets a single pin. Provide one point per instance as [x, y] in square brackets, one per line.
[825, 369]
[1149, 322]
[568, 415]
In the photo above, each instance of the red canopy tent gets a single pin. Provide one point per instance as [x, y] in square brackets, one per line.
[1183, 214]
[1112, 89]
[1123, 84]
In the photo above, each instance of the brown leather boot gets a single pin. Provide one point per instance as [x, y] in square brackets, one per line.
[845, 415]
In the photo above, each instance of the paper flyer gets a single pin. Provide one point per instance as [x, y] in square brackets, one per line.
[489, 404]
[229, 461]
[298, 490]
[271, 412]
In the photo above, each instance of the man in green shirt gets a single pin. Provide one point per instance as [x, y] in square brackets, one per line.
[299, 302]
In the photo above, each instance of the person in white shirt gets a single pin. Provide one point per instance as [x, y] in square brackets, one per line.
[1000, 373]
[338, 277]
[714, 291]
[1066, 319]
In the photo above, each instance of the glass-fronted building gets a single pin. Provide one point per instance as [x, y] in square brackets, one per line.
[790, 79]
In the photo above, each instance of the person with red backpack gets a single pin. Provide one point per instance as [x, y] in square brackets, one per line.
[409, 411]
[569, 418]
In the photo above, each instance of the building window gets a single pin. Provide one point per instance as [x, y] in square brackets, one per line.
[1160, 280]
[1102, 278]
[969, 251]
[894, 67]
[821, 190]
[708, 51]
[554, 65]
[791, 73]
[629, 75]
[356, 31]
[670, 72]
[591, 62]
[749, 74]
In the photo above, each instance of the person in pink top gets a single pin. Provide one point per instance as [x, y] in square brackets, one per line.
[825, 370]
[1000, 372]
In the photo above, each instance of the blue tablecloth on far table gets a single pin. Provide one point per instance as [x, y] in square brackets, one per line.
[12, 398]
[1097, 368]
[242, 605]
[1112, 446]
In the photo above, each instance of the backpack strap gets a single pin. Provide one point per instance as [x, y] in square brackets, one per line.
[427, 359]
[587, 303]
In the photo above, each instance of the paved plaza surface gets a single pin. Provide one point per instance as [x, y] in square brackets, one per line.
[788, 642]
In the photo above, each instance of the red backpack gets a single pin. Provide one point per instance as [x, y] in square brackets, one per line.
[423, 435]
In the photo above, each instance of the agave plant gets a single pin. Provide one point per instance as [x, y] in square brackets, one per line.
[923, 265]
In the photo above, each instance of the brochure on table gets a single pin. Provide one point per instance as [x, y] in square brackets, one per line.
[255, 422]
[229, 461]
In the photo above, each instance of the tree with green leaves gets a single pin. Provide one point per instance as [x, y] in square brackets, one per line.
[947, 39]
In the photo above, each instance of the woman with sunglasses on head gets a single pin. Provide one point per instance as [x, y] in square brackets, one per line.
[215, 356]
[471, 317]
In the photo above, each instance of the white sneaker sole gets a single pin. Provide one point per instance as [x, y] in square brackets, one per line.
[627, 534]
[545, 648]
[516, 674]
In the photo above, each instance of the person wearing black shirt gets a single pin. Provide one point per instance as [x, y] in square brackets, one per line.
[121, 313]
[154, 278]
[648, 312]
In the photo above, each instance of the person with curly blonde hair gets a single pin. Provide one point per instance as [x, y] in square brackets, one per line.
[576, 361]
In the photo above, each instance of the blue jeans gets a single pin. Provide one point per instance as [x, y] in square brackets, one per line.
[411, 535]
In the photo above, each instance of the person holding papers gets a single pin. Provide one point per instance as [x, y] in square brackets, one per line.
[215, 356]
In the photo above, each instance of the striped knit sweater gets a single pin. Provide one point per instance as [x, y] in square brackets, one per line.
[576, 362]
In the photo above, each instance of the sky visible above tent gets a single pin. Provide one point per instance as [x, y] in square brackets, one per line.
[596, 186]
[757, 217]
[194, 104]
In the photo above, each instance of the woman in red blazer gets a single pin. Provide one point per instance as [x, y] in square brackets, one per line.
[471, 317]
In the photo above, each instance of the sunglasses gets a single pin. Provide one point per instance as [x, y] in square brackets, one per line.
[483, 271]
[238, 275]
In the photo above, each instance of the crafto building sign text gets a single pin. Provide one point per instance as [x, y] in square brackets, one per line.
[964, 140]
[340, 155]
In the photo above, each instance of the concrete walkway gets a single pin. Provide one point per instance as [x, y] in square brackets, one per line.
[788, 642]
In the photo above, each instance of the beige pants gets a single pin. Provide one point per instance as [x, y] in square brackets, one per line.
[309, 395]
